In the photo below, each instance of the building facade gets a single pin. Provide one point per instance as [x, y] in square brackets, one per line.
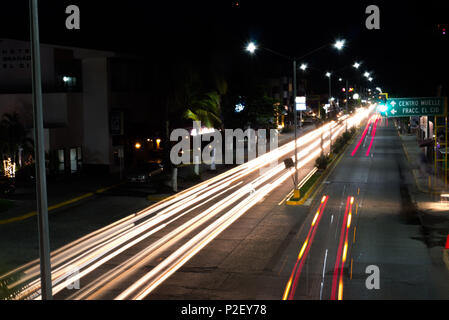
[87, 96]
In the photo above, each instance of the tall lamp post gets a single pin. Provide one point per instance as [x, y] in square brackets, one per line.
[329, 75]
[41, 188]
[251, 48]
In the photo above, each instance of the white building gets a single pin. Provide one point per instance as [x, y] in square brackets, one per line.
[85, 97]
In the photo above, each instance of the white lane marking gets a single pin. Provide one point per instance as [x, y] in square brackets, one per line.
[324, 266]
[322, 280]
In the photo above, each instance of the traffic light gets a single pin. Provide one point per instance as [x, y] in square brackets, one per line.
[442, 29]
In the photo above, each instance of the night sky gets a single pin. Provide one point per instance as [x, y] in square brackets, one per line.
[407, 56]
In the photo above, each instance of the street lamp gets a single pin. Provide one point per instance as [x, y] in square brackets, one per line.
[251, 47]
[356, 65]
[366, 74]
[328, 74]
[339, 44]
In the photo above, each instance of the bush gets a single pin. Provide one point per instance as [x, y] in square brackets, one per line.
[346, 136]
[322, 162]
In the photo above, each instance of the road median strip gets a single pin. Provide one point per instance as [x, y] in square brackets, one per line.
[58, 205]
[319, 176]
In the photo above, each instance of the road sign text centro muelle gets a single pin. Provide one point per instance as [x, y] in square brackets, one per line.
[405, 107]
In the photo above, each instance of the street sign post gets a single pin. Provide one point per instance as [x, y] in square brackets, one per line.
[412, 107]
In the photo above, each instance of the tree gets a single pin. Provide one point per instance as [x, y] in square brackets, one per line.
[205, 108]
[13, 136]
[262, 111]
[188, 92]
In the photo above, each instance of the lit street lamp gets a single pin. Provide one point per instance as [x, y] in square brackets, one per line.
[339, 44]
[251, 48]
[328, 74]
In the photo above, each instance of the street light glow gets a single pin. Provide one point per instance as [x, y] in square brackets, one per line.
[303, 66]
[356, 65]
[370, 79]
[339, 44]
[328, 74]
[251, 47]
[366, 74]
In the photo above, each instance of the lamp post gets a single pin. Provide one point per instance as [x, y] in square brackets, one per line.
[329, 75]
[251, 48]
[41, 187]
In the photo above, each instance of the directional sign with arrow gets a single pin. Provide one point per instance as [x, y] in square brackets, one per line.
[408, 107]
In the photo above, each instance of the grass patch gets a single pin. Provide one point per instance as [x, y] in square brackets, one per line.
[309, 183]
[5, 205]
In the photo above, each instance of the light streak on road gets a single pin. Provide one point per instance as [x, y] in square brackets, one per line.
[372, 136]
[292, 284]
[207, 208]
[362, 137]
[342, 252]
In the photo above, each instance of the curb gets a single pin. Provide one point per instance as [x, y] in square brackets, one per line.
[323, 177]
[59, 205]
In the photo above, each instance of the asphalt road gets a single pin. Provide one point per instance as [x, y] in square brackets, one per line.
[250, 245]
[132, 257]
[384, 233]
[256, 258]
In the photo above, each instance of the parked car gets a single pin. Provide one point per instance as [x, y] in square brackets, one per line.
[142, 174]
[7, 185]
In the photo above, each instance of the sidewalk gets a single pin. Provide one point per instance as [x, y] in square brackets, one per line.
[59, 193]
[434, 213]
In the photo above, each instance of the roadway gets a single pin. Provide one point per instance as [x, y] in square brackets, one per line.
[129, 259]
[366, 219]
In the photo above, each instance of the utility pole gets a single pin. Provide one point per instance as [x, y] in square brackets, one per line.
[295, 115]
[41, 187]
[330, 95]
[347, 114]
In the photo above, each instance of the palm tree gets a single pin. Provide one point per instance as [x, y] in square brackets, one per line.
[205, 108]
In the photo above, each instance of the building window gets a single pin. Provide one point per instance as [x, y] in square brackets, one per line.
[79, 157]
[61, 159]
[69, 81]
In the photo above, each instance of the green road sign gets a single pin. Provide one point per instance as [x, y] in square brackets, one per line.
[410, 107]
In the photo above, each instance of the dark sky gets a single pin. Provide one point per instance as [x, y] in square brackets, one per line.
[406, 56]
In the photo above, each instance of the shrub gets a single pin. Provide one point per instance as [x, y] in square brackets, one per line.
[322, 162]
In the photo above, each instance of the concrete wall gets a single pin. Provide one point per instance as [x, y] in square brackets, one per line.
[54, 108]
[97, 141]
[15, 66]
[71, 135]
